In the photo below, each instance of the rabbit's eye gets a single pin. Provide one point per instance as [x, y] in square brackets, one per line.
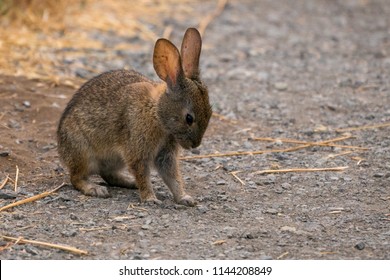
[189, 119]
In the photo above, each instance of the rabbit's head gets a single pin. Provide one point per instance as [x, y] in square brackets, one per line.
[184, 109]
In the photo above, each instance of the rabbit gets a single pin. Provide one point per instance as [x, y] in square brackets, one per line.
[121, 119]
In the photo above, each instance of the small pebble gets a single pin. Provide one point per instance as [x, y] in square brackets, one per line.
[6, 195]
[248, 235]
[265, 257]
[279, 190]
[17, 216]
[202, 209]
[4, 153]
[165, 216]
[288, 229]
[281, 86]
[26, 104]
[360, 246]
[271, 211]
[221, 182]
[73, 217]
[69, 233]
[31, 250]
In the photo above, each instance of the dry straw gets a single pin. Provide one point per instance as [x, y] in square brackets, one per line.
[35, 32]
[31, 199]
[45, 244]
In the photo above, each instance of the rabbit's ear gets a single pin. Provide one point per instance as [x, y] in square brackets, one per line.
[167, 62]
[190, 52]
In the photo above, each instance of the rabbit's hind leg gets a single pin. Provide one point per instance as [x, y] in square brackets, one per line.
[79, 172]
[110, 170]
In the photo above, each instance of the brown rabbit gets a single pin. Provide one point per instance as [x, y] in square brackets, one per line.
[122, 119]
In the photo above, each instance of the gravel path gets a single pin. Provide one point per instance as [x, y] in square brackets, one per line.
[300, 70]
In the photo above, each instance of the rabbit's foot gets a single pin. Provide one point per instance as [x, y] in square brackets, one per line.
[187, 201]
[152, 201]
[149, 198]
[94, 190]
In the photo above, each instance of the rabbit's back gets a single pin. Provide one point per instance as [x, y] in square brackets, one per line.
[107, 113]
[102, 91]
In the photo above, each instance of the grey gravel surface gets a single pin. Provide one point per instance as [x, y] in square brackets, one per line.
[275, 69]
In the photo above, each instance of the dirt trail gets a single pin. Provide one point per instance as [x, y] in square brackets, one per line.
[275, 69]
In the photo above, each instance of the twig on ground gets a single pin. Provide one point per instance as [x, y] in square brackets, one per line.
[340, 154]
[242, 130]
[132, 206]
[363, 127]
[335, 212]
[358, 159]
[46, 244]
[1, 117]
[16, 179]
[95, 229]
[231, 154]
[209, 18]
[31, 199]
[219, 242]
[223, 118]
[10, 244]
[4, 182]
[282, 255]
[234, 174]
[322, 143]
[268, 171]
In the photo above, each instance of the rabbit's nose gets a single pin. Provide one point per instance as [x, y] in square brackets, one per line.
[195, 144]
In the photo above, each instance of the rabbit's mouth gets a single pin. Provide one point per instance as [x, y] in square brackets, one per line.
[188, 144]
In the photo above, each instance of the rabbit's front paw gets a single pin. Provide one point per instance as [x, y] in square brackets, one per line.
[151, 200]
[187, 201]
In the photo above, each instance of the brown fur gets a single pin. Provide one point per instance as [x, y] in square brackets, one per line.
[121, 119]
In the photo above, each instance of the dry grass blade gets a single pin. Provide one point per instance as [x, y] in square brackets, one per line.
[327, 143]
[132, 206]
[335, 212]
[31, 199]
[282, 255]
[340, 154]
[10, 244]
[95, 228]
[223, 118]
[234, 174]
[248, 153]
[268, 171]
[251, 153]
[16, 179]
[327, 253]
[46, 244]
[208, 19]
[219, 242]
[4, 182]
[363, 127]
